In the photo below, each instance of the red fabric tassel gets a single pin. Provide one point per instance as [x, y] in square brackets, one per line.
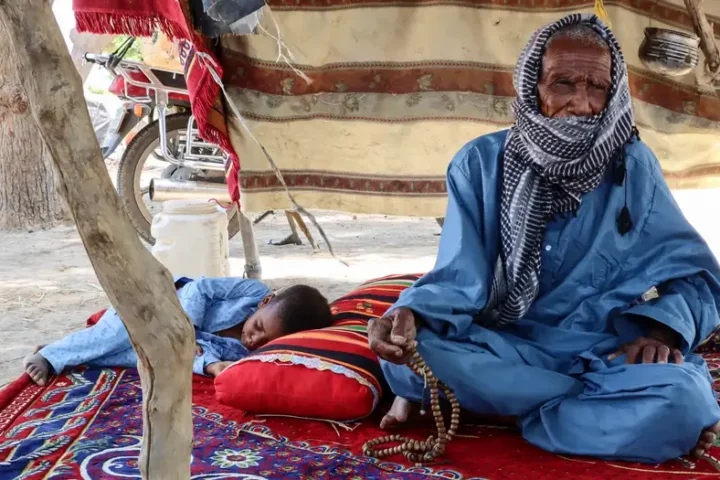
[109, 23]
[141, 18]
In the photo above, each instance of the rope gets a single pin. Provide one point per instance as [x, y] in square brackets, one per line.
[602, 14]
[282, 47]
[209, 63]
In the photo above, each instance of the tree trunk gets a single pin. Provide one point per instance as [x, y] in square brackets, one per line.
[28, 196]
[139, 288]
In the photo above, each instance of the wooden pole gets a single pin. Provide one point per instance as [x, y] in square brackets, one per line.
[704, 30]
[253, 267]
[139, 288]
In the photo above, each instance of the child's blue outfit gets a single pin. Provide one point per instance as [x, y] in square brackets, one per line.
[212, 304]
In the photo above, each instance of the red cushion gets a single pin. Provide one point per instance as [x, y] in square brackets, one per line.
[329, 373]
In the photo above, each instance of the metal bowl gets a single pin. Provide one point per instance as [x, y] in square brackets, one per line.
[669, 52]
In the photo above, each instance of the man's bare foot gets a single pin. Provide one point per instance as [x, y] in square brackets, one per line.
[403, 411]
[38, 368]
[399, 413]
[707, 440]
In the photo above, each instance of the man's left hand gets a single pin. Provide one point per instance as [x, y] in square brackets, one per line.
[660, 346]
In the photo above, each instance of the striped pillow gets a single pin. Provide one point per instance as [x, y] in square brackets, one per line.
[329, 373]
[371, 299]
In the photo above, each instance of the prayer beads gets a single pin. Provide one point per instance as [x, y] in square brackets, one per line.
[418, 451]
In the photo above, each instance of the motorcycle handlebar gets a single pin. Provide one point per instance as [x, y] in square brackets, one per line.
[97, 59]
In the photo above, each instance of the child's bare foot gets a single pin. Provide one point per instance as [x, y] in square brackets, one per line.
[706, 440]
[38, 368]
[38, 348]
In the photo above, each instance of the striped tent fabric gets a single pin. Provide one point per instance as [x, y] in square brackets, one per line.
[328, 373]
[399, 86]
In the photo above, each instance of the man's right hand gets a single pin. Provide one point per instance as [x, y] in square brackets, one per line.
[393, 336]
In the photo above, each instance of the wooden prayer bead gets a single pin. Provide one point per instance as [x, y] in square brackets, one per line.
[417, 451]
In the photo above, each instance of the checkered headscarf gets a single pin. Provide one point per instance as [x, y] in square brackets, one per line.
[548, 165]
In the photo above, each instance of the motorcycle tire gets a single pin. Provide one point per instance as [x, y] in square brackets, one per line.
[132, 159]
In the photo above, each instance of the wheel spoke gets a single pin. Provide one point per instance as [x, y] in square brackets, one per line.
[147, 162]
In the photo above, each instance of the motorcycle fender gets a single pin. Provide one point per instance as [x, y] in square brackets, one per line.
[128, 123]
[122, 125]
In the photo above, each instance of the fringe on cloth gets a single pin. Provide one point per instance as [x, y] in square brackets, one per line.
[206, 99]
[128, 18]
[133, 25]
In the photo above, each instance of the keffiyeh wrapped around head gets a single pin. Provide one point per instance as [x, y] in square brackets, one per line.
[548, 165]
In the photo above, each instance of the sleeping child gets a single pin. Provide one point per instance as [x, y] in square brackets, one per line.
[232, 316]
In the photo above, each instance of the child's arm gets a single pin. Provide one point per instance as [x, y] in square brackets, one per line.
[215, 369]
[197, 296]
[206, 355]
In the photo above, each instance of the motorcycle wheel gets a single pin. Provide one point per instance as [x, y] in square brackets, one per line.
[133, 185]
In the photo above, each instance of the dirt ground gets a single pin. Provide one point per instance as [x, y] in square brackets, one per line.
[48, 288]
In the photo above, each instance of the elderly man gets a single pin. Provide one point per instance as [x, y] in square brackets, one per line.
[569, 290]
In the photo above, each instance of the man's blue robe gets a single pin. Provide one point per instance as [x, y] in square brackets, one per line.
[551, 368]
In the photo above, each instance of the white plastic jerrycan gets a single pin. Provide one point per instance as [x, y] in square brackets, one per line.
[191, 238]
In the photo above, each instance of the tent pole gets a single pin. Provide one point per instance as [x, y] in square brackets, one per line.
[253, 268]
[704, 30]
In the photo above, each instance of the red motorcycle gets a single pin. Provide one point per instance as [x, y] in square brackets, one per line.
[166, 159]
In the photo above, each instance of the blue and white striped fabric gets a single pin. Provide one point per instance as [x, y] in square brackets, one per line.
[548, 165]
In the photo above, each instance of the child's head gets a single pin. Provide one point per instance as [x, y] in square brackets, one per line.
[290, 310]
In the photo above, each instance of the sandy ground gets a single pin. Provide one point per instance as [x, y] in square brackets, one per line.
[48, 288]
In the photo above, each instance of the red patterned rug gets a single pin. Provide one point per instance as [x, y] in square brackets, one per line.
[87, 424]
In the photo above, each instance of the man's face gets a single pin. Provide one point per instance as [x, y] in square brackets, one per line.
[262, 327]
[575, 79]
